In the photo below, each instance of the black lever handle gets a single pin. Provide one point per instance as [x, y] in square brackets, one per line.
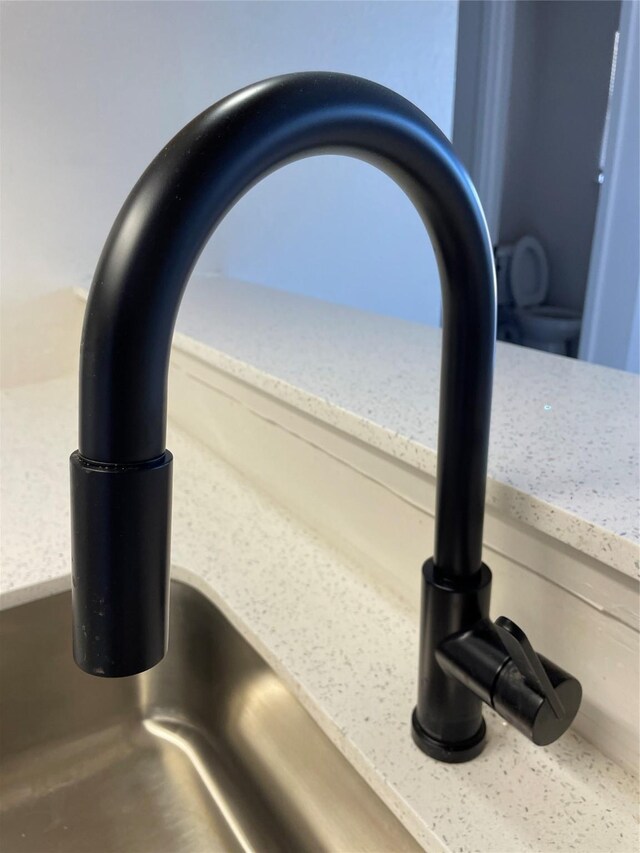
[497, 662]
[526, 659]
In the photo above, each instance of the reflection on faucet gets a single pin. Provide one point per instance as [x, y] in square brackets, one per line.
[121, 474]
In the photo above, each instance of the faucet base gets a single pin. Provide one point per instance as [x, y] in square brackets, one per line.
[447, 721]
[451, 753]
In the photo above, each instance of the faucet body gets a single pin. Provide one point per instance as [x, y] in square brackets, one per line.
[121, 473]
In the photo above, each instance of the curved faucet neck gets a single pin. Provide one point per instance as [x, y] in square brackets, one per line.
[187, 190]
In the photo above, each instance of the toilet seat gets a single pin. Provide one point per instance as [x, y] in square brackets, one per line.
[529, 273]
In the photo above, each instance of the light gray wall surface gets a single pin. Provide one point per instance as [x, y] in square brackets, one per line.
[611, 322]
[468, 60]
[92, 91]
[560, 79]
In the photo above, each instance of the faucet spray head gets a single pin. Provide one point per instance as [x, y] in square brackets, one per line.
[121, 520]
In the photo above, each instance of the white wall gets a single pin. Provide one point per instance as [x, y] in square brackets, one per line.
[92, 91]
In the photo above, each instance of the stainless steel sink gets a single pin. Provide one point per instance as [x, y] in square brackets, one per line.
[208, 751]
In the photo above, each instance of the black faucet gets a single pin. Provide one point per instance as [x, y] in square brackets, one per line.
[121, 473]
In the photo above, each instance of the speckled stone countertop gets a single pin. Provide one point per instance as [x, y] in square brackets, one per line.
[348, 651]
[564, 436]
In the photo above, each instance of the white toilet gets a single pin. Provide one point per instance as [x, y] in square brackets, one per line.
[523, 283]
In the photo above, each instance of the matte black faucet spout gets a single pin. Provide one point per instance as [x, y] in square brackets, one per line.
[121, 473]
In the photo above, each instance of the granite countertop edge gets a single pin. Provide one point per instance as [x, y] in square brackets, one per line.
[591, 539]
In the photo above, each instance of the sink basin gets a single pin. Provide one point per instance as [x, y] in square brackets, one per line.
[208, 751]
